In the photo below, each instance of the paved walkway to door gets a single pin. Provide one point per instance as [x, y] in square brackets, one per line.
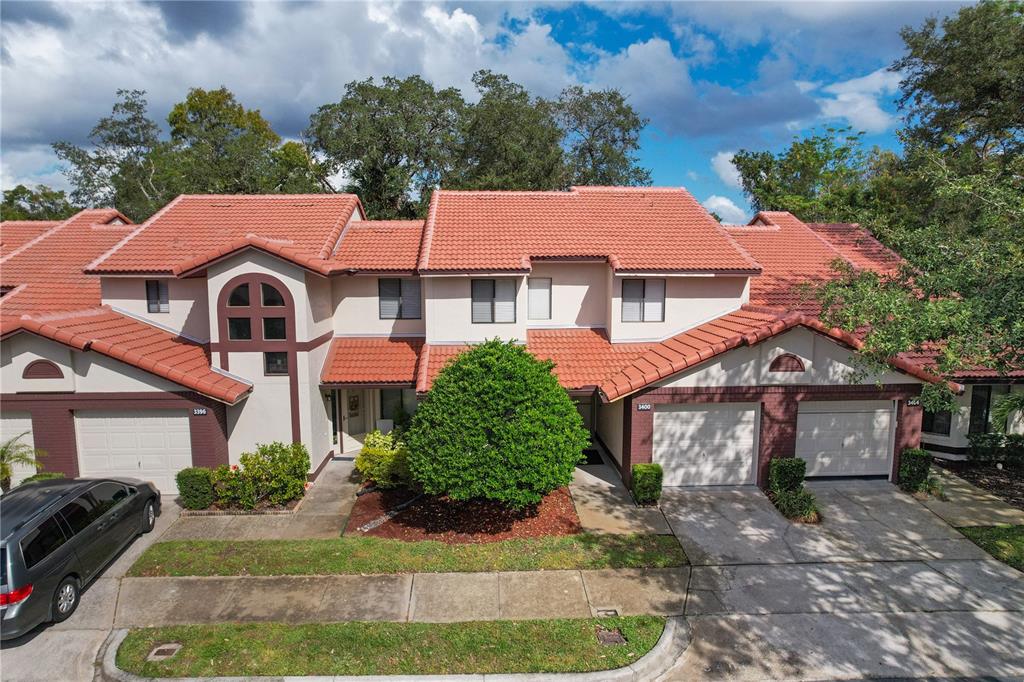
[882, 587]
[322, 514]
[604, 505]
[969, 505]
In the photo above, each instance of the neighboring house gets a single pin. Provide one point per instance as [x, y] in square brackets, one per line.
[226, 321]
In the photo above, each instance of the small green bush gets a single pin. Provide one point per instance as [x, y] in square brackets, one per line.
[384, 459]
[195, 486]
[496, 425]
[985, 447]
[647, 483]
[232, 488]
[275, 473]
[43, 476]
[786, 474]
[796, 504]
[915, 464]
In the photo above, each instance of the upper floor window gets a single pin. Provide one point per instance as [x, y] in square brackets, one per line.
[156, 296]
[494, 300]
[239, 296]
[398, 299]
[643, 300]
[538, 304]
[272, 298]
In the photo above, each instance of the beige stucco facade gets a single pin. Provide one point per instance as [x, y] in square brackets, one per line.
[188, 301]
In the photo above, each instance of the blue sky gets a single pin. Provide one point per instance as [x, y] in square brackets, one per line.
[711, 77]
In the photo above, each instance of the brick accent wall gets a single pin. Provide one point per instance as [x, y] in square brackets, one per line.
[53, 422]
[779, 406]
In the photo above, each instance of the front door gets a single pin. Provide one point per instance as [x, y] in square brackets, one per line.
[353, 418]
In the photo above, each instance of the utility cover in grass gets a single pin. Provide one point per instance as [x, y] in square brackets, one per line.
[496, 425]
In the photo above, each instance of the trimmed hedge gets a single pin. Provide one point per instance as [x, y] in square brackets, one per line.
[384, 459]
[195, 486]
[496, 425]
[997, 447]
[796, 504]
[786, 474]
[647, 483]
[915, 465]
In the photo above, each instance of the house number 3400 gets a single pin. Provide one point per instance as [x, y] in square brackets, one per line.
[199, 411]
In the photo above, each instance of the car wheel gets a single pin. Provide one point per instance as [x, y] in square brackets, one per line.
[148, 517]
[65, 599]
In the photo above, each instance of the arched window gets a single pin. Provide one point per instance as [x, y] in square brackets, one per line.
[787, 362]
[42, 369]
[239, 296]
[272, 298]
[262, 322]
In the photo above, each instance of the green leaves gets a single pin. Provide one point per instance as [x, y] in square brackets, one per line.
[496, 425]
[41, 203]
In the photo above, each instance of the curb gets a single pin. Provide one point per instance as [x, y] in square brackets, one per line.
[674, 640]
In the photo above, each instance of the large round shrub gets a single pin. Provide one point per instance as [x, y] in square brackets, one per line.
[496, 425]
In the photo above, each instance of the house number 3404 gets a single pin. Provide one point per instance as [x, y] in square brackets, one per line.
[199, 411]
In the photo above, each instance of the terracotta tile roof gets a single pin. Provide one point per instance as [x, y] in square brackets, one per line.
[859, 246]
[433, 358]
[14, 233]
[138, 344]
[747, 326]
[46, 271]
[634, 229]
[928, 358]
[379, 245]
[372, 360]
[197, 229]
[584, 358]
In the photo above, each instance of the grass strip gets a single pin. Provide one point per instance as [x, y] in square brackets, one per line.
[1005, 543]
[348, 555]
[358, 648]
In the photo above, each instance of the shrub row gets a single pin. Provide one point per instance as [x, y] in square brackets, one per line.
[997, 447]
[786, 489]
[274, 474]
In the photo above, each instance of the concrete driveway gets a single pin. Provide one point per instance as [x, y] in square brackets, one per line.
[883, 587]
[67, 651]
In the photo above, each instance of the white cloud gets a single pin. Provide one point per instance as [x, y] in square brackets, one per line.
[727, 210]
[858, 100]
[725, 170]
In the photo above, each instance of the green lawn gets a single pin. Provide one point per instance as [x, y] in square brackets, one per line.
[374, 555]
[1005, 543]
[389, 648]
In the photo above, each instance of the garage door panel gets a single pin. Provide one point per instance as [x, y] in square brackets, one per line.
[705, 444]
[148, 444]
[848, 438]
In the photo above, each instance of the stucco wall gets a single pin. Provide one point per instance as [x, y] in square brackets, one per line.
[187, 298]
[579, 294]
[449, 318]
[825, 363]
[318, 309]
[314, 414]
[609, 427]
[265, 415]
[689, 301]
[248, 262]
[356, 311]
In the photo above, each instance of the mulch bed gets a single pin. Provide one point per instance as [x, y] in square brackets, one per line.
[438, 518]
[1005, 484]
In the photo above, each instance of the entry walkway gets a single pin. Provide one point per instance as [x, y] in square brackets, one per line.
[422, 597]
[604, 505]
[969, 505]
[322, 514]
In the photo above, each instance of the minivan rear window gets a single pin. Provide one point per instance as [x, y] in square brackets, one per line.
[41, 541]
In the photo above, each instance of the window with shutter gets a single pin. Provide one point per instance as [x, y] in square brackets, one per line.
[410, 299]
[504, 300]
[156, 296]
[483, 300]
[632, 300]
[654, 300]
[389, 296]
[539, 302]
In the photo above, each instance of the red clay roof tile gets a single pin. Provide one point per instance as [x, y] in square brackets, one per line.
[372, 360]
[379, 245]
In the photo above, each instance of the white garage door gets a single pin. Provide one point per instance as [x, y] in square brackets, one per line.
[153, 445]
[706, 444]
[12, 425]
[845, 438]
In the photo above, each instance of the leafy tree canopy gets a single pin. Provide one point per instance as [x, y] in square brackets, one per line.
[41, 203]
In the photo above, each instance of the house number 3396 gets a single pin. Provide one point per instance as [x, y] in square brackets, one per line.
[199, 411]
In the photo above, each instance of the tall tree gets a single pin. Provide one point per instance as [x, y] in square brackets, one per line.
[819, 178]
[511, 140]
[41, 203]
[123, 167]
[963, 85]
[601, 136]
[393, 141]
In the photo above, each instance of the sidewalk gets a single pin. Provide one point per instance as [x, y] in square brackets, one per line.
[969, 505]
[322, 514]
[605, 506]
[422, 597]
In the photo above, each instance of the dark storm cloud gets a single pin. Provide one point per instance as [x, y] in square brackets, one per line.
[43, 13]
[187, 19]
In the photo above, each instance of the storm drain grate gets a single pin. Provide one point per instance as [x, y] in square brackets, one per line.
[609, 637]
[162, 652]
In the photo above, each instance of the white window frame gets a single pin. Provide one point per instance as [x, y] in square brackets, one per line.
[403, 298]
[493, 300]
[645, 299]
[533, 284]
[161, 302]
